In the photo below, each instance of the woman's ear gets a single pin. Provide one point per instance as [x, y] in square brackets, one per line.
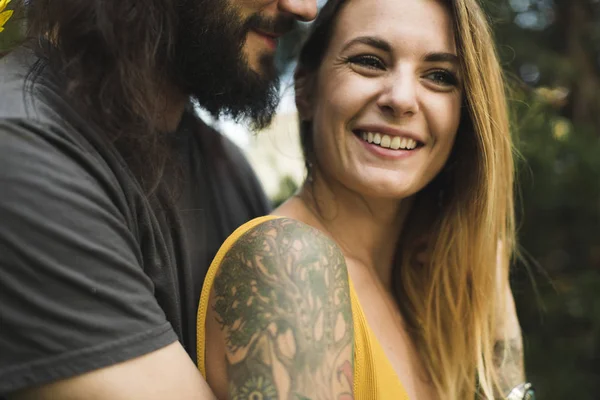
[303, 87]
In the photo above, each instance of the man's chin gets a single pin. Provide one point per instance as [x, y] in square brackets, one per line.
[240, 81]
[263, 66]
[258, 58]
[253, 108]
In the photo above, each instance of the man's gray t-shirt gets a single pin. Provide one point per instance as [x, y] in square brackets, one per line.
[92, 272]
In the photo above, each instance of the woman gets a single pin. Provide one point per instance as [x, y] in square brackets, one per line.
[382, 278]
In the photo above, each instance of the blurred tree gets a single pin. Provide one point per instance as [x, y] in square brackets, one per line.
[551, 51]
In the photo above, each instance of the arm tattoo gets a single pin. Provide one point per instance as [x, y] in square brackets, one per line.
[282, 300]
[508, 360]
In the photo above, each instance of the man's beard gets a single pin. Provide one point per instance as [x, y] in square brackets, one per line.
[210, 64]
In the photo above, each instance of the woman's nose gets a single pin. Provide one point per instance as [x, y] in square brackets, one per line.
[399, 94]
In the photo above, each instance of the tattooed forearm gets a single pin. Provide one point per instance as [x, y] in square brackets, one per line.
[508, 360]
[282, 300]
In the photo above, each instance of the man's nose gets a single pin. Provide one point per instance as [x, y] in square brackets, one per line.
[303, 10]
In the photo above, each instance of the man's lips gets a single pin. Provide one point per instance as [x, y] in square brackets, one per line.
[272, 35]
[270, 38]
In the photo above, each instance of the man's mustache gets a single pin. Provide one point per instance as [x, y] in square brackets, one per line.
[278, 25]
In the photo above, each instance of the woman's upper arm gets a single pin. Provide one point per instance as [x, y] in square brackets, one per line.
[280, 313]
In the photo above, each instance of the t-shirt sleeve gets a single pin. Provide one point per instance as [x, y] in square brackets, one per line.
[73, 293]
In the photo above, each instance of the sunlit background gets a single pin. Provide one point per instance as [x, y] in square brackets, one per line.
[551, 53]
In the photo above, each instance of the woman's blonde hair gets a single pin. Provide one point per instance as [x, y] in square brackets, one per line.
[452, 303]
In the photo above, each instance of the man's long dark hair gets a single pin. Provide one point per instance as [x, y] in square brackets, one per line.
[126, 61]
[114, 56]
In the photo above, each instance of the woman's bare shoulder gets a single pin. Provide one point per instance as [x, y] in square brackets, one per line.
[281, 302]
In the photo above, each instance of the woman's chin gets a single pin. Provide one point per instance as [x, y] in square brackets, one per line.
[385, 189]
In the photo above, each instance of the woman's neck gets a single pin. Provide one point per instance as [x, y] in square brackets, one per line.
[366, 229]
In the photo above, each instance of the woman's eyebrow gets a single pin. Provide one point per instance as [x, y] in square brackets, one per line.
[372, 41]
[441, 57]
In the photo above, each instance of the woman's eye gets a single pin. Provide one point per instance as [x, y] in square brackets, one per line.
[443, 78]
[367, 61]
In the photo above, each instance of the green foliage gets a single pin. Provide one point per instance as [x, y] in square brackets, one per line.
[560, 235]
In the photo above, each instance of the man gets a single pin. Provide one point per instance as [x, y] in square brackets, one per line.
[114, 196]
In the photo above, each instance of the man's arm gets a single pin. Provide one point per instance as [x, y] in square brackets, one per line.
[167, 373]
[281, 301]
[78, 315]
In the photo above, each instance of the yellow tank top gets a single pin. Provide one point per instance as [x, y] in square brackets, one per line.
[374, 377]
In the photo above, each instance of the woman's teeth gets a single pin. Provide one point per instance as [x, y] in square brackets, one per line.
[389, 142]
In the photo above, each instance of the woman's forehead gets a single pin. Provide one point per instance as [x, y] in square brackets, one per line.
[413, 25]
